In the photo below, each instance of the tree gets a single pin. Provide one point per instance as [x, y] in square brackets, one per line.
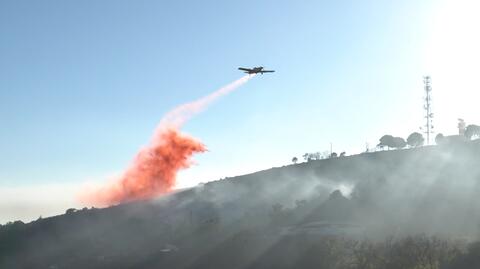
[392, 142]
[342, 154]
[439, 139]
[333, 155]
[70, 211]
[399, 143]
[295, 160]
[472, 131]
[415, 139]
[386, 141]
[316, 156]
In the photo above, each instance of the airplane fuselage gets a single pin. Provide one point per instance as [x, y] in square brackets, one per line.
[255, 70]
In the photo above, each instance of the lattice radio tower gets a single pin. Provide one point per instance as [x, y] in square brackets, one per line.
[427, 81]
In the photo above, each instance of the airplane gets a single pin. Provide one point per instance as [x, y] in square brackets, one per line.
[255, 70]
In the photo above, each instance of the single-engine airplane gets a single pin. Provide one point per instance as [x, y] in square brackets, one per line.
[255, 70]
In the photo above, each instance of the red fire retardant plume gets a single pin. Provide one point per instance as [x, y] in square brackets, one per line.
[152, 172]
[154, 169]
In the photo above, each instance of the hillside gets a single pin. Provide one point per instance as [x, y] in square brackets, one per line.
[281, 217]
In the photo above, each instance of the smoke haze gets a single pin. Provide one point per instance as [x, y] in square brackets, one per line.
[154, 169]
[400, 207]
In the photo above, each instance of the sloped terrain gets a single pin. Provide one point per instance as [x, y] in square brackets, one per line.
[316, 214]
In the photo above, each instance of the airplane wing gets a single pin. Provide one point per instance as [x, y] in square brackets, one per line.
[244, 69]
[268, 71]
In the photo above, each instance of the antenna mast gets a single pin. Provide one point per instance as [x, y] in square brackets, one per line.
[427, 81]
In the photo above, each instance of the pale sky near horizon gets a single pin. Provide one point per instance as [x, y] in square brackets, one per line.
[83, 84]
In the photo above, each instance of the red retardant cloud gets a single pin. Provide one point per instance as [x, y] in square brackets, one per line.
[153, 171]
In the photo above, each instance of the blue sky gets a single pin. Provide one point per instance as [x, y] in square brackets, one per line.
[84, 83]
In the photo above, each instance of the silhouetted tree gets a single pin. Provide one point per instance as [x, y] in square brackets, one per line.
[14, 226]
[333, 155]
[392, 142]
[294, 160]
[316, 156]
[70, 211]
[342, 154]
[415, 139]
[439, 139]
[399, 143]
[386, 141]
[472, 130]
